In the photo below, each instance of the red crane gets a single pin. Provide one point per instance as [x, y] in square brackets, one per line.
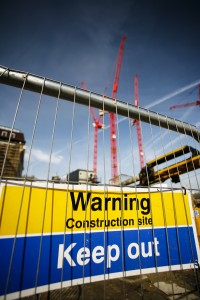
[187, 104]
[113, 142]
[137, 123]
[97, 125]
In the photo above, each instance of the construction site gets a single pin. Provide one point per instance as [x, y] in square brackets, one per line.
[112, 211]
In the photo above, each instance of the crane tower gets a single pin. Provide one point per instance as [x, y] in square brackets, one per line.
[137, 123]
[97, 125]
[113, 142]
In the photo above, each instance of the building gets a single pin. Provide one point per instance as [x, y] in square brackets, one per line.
[12, 149]
[81, 176]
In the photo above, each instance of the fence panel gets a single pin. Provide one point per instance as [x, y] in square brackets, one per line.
[70, 230]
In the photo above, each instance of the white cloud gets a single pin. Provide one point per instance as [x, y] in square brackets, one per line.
[42, 156]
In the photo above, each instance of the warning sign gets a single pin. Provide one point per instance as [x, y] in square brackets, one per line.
[53, 234]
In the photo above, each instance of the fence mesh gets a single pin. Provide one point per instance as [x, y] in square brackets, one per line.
[69, 231]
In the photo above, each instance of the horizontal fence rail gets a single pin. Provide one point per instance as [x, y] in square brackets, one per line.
[70, 231]
[52, 88]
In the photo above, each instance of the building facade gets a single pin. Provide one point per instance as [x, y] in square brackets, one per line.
[12, 150]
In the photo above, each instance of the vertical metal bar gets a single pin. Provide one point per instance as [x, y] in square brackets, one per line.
[122, 212]
[86, 211]
[149, 192]
[25, 178]
[163, 205]
[135, 188]
[20, 208]
[22, 197]
[67, 190]
[13, 124]
[105, 238]
[175, 218]
[46, 190]
[188, 227]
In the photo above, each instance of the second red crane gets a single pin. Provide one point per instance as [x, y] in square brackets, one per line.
[113, 142]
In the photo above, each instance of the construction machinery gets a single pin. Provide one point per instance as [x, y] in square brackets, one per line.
[148, 175]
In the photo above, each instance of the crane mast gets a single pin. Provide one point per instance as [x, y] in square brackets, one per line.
[114, 162]
[137, 124]
[97, 125]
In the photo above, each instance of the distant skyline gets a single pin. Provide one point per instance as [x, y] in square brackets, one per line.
[78, 41]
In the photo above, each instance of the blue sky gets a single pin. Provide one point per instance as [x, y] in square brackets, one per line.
[74, 41]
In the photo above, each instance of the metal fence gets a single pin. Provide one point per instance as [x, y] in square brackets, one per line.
[69, 231]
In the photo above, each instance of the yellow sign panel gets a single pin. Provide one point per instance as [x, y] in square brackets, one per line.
[55, 233]
[35, 210]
